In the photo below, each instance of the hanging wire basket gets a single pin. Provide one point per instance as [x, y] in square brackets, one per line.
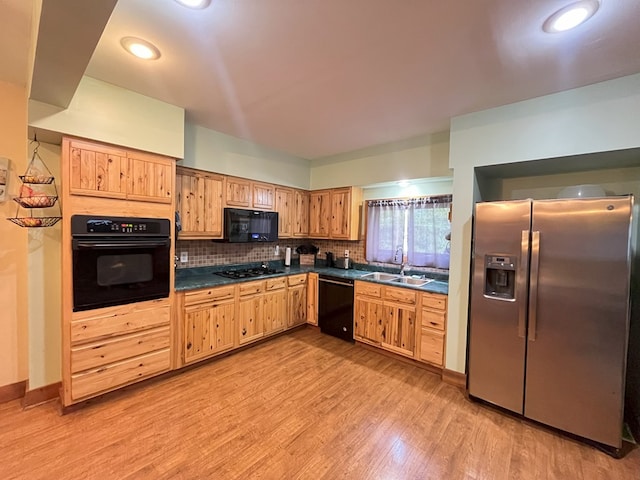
[37, 173]
[37, 201]
[32, 222]
[36, 179]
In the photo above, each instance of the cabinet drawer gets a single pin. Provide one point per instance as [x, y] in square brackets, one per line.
[432, 346]
[276, 283]
[118, 374]
[297, 279]
[435, 301]
[208, 295]
[117, 321]
[95, 354]
[433, 319]
[402, 295]
[250, 288]
[369, 289]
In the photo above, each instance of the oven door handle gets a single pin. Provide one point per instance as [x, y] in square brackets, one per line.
[96, 245]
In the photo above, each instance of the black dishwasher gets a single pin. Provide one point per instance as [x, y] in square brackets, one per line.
[335, 306]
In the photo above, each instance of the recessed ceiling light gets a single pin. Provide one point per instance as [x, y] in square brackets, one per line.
[194, 3]
[571, 16]
[140, 48]
[403, 183]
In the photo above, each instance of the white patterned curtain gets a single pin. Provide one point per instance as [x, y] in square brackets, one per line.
[385, 230]
[428, 230]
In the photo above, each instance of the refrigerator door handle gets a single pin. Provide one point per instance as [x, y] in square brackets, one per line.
[522, 282]
[533, 284]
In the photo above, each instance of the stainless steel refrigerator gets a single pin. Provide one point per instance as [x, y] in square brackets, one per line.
[549, 311]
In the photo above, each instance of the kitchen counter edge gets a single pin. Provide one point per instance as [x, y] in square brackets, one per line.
[208, 279]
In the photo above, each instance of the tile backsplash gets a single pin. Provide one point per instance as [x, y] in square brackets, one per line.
[202, 253]
[205, 253]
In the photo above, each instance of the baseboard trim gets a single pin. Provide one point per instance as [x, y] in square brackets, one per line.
[454, 378]
[13, 391]
[41, 395]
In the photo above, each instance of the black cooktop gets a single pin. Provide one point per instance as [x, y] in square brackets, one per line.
[248, 272]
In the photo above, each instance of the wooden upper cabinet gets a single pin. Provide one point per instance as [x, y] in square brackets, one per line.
[345, 205]
[262, 196]
[319, 213]
[149, 178]
[335, 213]
[285, 209]
[300, 223]
[238, 192]
[97, 170]
[199, 202]
[103, 171]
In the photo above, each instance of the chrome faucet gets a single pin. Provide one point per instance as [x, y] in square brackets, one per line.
[403, 267]
[402, 260]
[395, 255]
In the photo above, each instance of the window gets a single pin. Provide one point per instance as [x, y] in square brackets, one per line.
[416, 230]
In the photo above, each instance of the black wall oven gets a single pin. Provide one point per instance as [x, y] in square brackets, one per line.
[119, 260]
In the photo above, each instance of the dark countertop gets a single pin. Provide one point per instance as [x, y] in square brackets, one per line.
[204, 277]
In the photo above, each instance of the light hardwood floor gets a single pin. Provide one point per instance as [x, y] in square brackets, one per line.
[303, 405]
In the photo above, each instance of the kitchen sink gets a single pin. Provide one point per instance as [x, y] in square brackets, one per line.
[417, 282]
[383, 277]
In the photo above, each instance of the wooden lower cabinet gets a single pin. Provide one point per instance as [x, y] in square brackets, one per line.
[208, 329]
[402, 320]
[275, 305]
[297, 300]
[208, 322]
[369, 315]
[398, 329]
[312, 299]
[115, 346]
[433, 323]
[251, 315]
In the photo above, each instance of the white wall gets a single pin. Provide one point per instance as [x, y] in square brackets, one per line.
[111, 114]
[14, 306]
[216, 152]
[44, 265]
[416, 158]
[418, 188]
[596, 118]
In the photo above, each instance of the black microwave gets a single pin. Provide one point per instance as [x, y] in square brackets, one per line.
[242, 226]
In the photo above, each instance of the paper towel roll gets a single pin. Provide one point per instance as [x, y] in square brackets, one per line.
[287, 256]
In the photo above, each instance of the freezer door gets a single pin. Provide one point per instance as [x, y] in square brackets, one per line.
[497, 322]
[578, 323]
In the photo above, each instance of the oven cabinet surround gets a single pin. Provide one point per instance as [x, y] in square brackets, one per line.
[215, 320]
[115, 346]
[401, 320]
[105, 171]
[199, 199]
[335, 213]
[106, 348]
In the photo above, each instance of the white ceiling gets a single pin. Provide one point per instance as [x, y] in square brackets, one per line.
[315, 78]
